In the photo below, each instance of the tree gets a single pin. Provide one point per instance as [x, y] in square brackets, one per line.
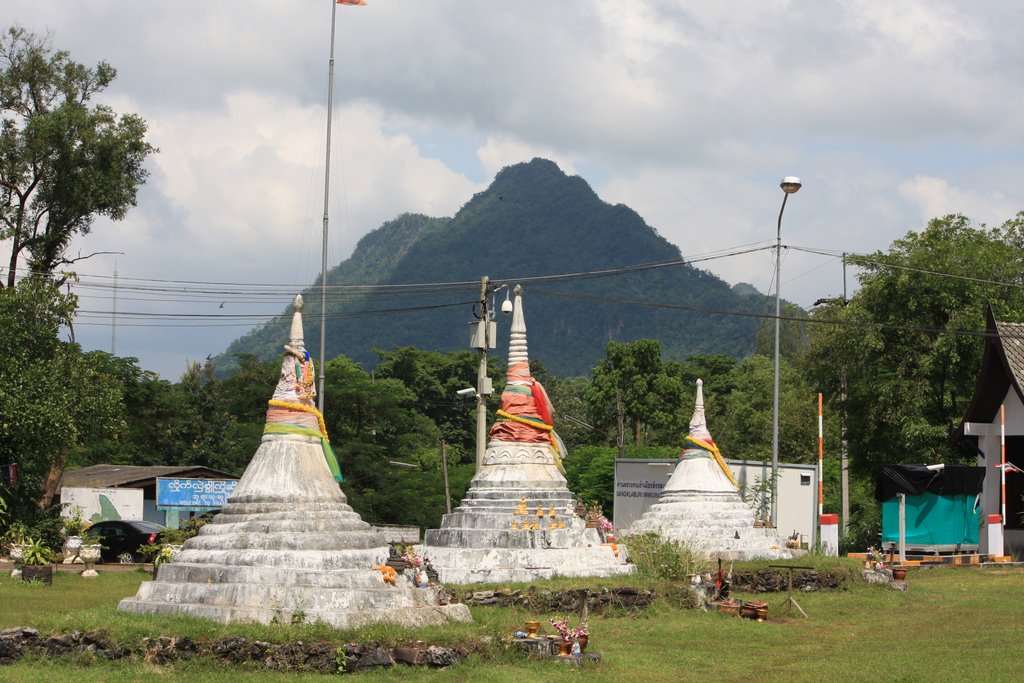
[792, 333]
[53, 398]
[744, 430]
[568, 396]
[910, 340]
[651, 398]
[63, 160]
[433, 378]
[204, 432]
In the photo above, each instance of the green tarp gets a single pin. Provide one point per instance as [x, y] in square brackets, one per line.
[933, 519]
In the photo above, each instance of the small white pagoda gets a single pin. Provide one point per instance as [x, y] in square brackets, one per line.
[287, 546]
[701, 506]
[517, 521]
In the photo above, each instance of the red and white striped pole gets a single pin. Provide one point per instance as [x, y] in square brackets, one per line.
[1002, 460]
[821, 455]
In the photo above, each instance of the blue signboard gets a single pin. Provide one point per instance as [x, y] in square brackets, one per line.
[193, 494]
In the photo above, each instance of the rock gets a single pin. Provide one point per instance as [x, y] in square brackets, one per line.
[372, 659]
[443, 656]
[234, 649]
[10, 649]
[409, 655]
[57, 646]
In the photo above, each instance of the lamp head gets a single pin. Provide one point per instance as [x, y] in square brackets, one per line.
[790, 184]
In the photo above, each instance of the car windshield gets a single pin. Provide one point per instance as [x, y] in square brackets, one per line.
[147, 527]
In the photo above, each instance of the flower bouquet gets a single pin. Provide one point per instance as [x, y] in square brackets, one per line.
[579, 634]
[411, 558]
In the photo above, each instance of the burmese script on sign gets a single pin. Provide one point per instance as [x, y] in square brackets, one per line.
[193, 493]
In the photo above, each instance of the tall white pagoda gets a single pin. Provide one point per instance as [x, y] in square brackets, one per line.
[517, 521]
[287, 545]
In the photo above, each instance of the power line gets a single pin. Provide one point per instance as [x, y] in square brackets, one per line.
[767, 316]
[860, 259]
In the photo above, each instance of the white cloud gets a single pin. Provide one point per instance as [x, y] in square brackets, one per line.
[934, 197]
[498, 152]
[688, 112]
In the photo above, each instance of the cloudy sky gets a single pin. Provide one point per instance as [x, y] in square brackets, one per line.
[689, 112]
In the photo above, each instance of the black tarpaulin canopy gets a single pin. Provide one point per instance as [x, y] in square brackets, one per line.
[916, 479]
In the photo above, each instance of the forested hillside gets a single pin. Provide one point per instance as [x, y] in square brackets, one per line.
[532, 221]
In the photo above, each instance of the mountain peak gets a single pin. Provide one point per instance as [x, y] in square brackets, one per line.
[532, 221]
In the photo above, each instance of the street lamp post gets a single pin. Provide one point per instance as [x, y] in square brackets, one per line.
[789, 185]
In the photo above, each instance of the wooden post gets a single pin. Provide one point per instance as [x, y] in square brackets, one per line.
[620, 435]
[844, 461]
[903, 526]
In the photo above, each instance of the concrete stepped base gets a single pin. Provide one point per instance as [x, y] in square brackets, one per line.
[289, 549]
[701, 509]
[476, 542]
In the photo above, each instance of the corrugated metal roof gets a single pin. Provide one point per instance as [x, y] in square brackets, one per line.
[112, 476]
[1011, 336]
[1002, 369]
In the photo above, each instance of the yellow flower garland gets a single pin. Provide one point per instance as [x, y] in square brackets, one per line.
[305, 409]
[514, 418]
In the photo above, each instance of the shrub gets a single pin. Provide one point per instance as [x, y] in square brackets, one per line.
[670, 560]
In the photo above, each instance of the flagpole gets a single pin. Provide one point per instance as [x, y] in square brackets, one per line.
[327, 192]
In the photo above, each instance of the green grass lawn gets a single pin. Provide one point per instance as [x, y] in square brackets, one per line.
[953, 624]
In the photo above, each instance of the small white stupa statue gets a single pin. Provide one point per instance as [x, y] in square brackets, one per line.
[287, 545]
[701, 506]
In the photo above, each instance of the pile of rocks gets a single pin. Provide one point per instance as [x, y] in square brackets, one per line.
[322, 657]
[772, 581]
[571, 600]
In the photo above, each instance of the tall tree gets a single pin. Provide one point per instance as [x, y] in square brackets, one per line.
[53, 398]
[433, 378]
[910, 340]
[651, 398]
[63, 159]
[744, 430]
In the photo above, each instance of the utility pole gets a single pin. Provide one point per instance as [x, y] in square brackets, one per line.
[619, 435]
[844, 462]
[444, 472]
[113, 316]
[483, 339]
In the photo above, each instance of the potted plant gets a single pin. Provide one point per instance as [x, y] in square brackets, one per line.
[581, 634]
[567, 636]
[13, 539]
[73, 529]
[90, 554]
[36, 562]
[564, 643]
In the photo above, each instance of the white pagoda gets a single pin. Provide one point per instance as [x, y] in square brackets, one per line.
[701, 506]
[287, 546]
